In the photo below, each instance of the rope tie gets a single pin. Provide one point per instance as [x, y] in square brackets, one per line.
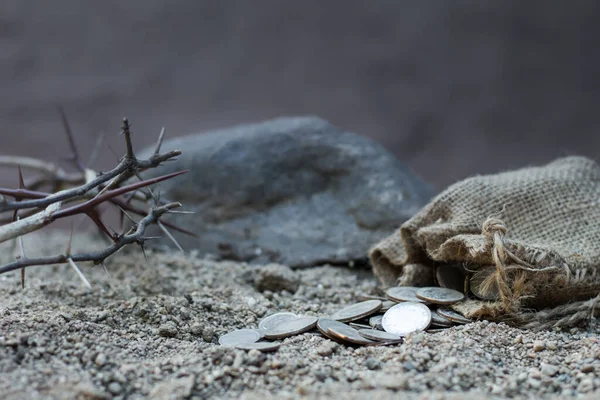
[495, 230]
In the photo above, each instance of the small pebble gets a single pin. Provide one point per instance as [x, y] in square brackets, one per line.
[115, 388]
[549, 370]
[100, 359]
[518, 339]
[587, 368]
[539, 345]
[372, 363]
[326, 349]
[168, 330]
[208, 334]
[586, 385]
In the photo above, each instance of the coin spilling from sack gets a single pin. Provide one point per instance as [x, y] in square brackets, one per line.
[375, 321]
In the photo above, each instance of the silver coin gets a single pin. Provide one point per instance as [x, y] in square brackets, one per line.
[403, 293]
[439, 295]
[436, 330]
[387, 305]
[453, 316]
[378, 336]
[291, 328]
[386, 343]
[359, 326]
[451, 277]
[357, 311]
[323, 325]
[375, 321]
[405, 318]
[261, 332]
[260, 346]
[238, 337]
[274, 320]
[476, 283]
[348, 334]
[364, 297]
[439, 321]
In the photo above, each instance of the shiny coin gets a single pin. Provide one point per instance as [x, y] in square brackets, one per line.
[439, 295]
[386, 343]
[261, 332]
[403, 293]
[476, 282]
[276, 319]
[387, 305]
[375, 321]
[291, 328]
[239, 337]
[265, 347]
[348, 334]
[436, 330]
[439, 321]
[405, 318]
[323, 325]
[453, 316]
[364, 297]
[379, 336]
[359, 326]
[357, 311]
[451, 277]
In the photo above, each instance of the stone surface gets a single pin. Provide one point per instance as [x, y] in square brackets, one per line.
[297, 191]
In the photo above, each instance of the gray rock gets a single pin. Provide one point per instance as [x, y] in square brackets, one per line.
[297, 191]
[275, 277]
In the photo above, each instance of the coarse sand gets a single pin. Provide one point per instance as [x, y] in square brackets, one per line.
[149, 330]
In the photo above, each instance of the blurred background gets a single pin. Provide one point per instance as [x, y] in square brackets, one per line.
[453, 88]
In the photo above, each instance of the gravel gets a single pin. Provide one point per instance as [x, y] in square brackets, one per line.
[150, 331]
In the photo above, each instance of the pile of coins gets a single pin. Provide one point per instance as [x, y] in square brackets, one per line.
[375, 321]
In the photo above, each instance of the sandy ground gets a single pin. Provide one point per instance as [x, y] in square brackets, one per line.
[150, 331]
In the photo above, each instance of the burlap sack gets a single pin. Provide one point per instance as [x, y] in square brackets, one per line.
[532, 234]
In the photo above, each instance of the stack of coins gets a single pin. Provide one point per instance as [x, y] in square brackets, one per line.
[375, 321]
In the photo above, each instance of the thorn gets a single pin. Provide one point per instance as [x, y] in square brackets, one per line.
[94, 216]
[75, 155]
[133, 221]
[160, 140]
[137, 174]
[166, 231]
[68, 252]
[81, 276]
[144, 251]
[121, 218]
[145, 238]
[21, 187]
[126, 130]
[21, 244]
[181, 212]
[106, 270]
[21, 182]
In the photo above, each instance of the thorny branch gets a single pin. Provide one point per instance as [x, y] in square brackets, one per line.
[81, 193]
[135, 235]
